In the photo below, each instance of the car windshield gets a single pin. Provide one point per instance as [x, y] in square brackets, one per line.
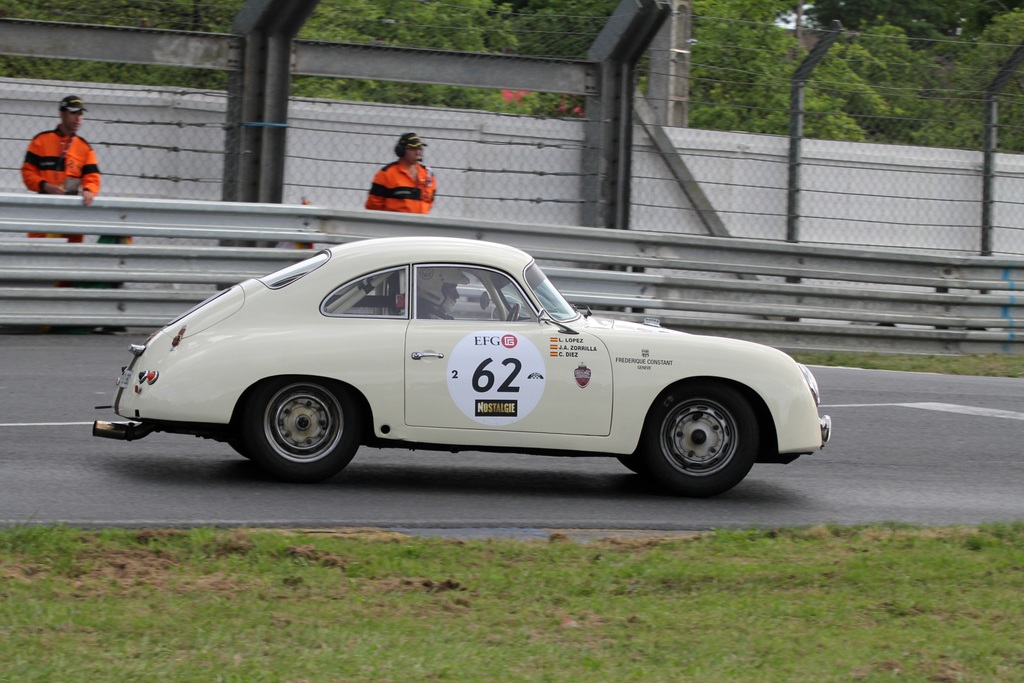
[290, 274]
[550, 298]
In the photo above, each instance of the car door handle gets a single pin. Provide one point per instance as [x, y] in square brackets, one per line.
[416, 355]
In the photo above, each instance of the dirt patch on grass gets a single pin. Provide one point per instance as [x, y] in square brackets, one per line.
[94, 568]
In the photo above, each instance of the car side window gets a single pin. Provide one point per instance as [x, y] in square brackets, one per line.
[449, 292]
[377, 295]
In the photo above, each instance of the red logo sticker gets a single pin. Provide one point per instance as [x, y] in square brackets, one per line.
[177, 337]
[582, 375]
[509, 341]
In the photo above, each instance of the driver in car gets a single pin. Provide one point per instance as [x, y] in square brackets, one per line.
[437, 292]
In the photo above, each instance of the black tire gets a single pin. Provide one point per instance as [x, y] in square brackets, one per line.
[301, 430]
[238, 445]
[634, 462]
[700, 440]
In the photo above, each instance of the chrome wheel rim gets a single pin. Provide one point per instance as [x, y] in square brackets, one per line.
[303, 422]
[699, 437]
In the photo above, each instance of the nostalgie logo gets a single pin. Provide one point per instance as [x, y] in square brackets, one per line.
[504, 408]
[582, 375]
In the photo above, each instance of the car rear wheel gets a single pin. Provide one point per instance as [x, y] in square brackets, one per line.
[238, 445]
[700, 439]
[301, 430]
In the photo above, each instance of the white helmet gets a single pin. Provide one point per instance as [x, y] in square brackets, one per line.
[438, 286]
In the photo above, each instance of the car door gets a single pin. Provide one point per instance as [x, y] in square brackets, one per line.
[478, 370]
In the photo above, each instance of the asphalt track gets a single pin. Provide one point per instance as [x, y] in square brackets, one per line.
[908, 447]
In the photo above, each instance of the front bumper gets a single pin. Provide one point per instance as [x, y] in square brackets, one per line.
[825, 423]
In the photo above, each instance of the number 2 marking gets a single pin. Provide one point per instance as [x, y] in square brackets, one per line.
[507, 384]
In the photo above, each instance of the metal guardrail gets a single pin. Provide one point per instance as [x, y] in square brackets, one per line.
[793, 296]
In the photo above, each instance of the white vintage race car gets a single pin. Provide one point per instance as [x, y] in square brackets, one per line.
[450, 344]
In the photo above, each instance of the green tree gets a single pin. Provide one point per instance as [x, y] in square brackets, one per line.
[559, 28]
[175, 15]
[740, 66]
[977, 15]
[896, 94]
[456, 25]
[934, 90]
[879, 84]
[919, 19]
[741, 69]
[978, 64]
[460, 25]
[172, 15]
[537, 28]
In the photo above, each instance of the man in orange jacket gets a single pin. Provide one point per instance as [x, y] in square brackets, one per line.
[405, 185]
[60, 162]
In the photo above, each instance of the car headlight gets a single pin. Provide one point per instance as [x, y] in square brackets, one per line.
[812, 383]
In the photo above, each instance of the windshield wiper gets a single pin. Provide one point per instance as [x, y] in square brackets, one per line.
[564, 329]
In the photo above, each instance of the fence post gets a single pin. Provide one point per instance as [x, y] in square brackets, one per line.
[668, 79]
[618, 48]
[989, 154]
[269, 27]
[796, 126]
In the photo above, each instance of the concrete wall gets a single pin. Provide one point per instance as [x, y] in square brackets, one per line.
[852, 193]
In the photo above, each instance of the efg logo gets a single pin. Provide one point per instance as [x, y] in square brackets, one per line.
[509, 341]
[480, 340]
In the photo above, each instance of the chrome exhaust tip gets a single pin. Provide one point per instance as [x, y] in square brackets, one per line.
[121, 431]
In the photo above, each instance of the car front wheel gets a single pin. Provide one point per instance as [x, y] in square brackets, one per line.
[301, 430]
[700, 440]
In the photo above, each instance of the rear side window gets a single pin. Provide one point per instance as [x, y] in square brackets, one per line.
[286, 276]
[377, 295]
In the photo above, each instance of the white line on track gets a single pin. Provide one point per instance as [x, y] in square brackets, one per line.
[940, 407]
[43, 424]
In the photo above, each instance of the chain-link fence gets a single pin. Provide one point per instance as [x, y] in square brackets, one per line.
[169, 143]
[892, 146]
[150, 141]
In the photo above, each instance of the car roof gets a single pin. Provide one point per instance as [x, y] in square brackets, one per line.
[390, 251]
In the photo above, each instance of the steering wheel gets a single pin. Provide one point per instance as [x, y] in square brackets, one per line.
[513, 313]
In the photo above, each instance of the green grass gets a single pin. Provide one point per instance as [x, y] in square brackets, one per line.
[987, 365]
[874, 603]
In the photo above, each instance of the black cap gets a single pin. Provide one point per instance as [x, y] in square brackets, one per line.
[72, 103]
[411, 140]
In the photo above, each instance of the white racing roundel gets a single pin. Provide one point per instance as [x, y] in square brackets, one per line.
[496, 378]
